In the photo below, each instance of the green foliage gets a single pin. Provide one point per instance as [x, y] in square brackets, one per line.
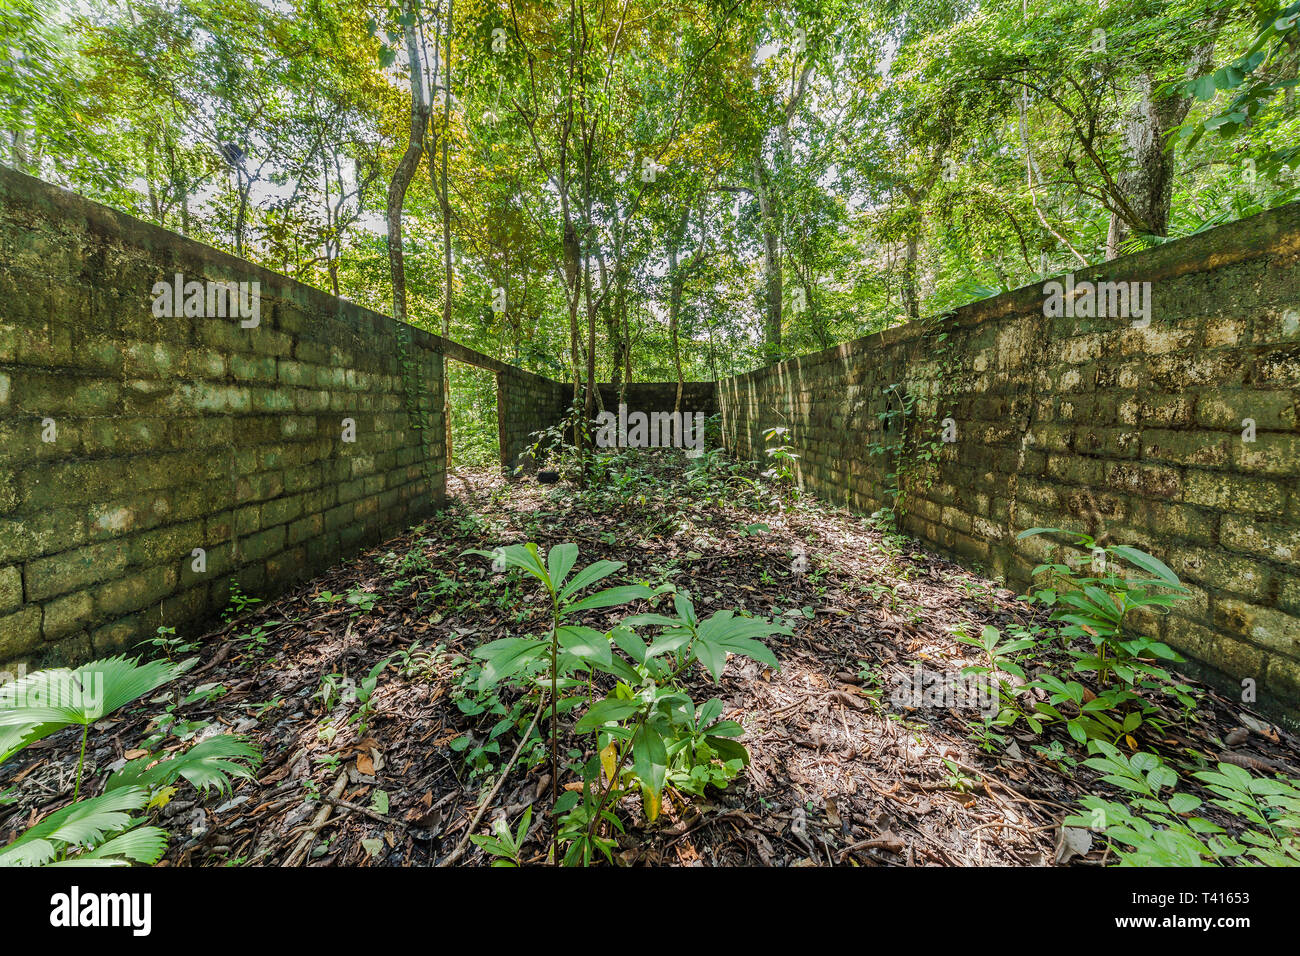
[1120, 661]
[211, 764]
[898, 160]
[105, 830]
[168, 644]
[504, 845]
[782, 457]
[646, 732]
[1156, 826]
[1251, 83]
[238, 603]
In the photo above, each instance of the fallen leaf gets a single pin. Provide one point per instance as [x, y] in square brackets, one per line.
[1072, 842]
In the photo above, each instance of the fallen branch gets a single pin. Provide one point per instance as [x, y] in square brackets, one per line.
[300, 849]
[457, 853]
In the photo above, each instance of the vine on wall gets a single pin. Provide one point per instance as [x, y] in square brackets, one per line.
[912, 445]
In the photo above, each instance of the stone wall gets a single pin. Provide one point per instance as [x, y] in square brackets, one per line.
[128, 439]
[1096, 424]
[662, 397]
[526, 403]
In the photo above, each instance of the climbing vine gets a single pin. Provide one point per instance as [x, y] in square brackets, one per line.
[912, 451]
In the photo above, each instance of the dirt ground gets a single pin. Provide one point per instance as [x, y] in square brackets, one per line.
[841, 772]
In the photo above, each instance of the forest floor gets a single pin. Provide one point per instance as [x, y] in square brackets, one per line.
[843, 770]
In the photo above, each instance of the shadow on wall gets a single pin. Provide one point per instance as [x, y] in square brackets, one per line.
[1175, 431]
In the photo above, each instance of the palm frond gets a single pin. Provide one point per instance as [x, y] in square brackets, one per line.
[47, 701]
[84, 823]
[209, 764]
[144, 845]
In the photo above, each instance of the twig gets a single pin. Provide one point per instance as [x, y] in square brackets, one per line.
[304, 842]
[456, 854]
[365, 812]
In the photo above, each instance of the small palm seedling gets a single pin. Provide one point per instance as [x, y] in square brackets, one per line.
[106, 830]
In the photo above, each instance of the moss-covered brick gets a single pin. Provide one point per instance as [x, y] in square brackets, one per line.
[1083, 424]
[68, 615]
[254, 368]
[152, 359]
[20, 632]
[1265, 627]
[11, 589]
[73, 570]
[1233, 493]
[258, 546]
[135, 591]
[162, 546]
[214, 397]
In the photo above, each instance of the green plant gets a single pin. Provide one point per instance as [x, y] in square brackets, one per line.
[505, 658]
[364, 694]
[330, 691]
[646, 727]
[260, 635]
[1156, 828]
[503, 844]
[1096, 608]
[364, 601]
[872, 683]
[563, 445]
[958, 779]
[782, 457]
[107, 829]
[239, 602]
[1000, 657]
[168, 644]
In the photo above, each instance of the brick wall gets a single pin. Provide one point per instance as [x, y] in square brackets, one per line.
[170, 434]
[1097, 425]
[526, 403]
[662, 397]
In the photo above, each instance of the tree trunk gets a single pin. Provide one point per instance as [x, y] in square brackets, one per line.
[444, 202]
[406, 167]
[771, 265]
[675, 282]
[911, 294]
[1147, 184]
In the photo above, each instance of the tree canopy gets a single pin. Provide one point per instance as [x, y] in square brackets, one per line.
[619, 190]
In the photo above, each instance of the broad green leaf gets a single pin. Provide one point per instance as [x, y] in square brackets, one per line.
[605, 711]
[1147, 563]
[589, 576]
[506, 657]
[47, 701]
[559, 562]
[585, 643]
[608, 598]
[629, 643]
